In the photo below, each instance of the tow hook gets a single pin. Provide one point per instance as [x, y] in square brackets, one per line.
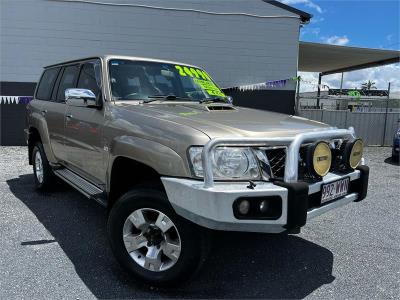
[251, 185]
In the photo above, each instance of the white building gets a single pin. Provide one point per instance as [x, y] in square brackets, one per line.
[237, 41]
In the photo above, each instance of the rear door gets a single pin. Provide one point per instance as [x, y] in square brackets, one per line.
[84, 128]
[52, 111]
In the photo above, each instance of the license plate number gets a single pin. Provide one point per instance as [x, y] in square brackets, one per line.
[334, 190]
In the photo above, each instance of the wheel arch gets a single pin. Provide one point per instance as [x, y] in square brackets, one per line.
[33, 138]
[126, 173]
[157, 156]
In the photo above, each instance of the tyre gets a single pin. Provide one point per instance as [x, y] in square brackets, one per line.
[151, 241]
[43, 174]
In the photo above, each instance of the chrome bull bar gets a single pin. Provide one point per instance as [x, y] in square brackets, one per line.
[292, 157]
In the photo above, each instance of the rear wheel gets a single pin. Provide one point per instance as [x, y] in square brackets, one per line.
[43, 174]
[151, 241]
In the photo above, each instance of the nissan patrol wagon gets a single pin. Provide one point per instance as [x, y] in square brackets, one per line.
[161, 146]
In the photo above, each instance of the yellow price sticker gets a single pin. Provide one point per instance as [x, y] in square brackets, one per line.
[201, 78]
[209, 87]
[192, 72]
[180, 69]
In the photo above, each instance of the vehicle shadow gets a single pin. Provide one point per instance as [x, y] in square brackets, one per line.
[392, 161]
[240, 265]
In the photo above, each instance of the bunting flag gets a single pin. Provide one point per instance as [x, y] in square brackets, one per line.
[25, 99]
[263, 85]
[15, 99]
[276, 84]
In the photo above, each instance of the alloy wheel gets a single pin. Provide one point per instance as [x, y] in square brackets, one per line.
[152, 239]
[39, 167]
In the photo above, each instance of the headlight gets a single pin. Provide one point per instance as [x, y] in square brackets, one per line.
[228, 163]
[319, 158]
[352, 153]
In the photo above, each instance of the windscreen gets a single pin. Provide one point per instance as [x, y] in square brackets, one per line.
[142, 80]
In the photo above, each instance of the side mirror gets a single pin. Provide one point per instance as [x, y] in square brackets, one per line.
[87, 96]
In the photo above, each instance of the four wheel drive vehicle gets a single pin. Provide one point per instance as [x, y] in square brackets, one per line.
[160, 145]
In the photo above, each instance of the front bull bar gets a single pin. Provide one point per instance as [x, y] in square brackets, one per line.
[292, 157]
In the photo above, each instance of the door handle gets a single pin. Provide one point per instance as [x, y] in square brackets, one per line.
[44, 112]
[68, 117]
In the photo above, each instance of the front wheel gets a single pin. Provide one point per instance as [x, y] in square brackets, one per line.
[151, 241]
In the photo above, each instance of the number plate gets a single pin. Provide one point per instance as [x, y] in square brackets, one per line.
[334, 190]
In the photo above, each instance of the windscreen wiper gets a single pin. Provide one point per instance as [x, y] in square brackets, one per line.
[215, 99]
[164, 97]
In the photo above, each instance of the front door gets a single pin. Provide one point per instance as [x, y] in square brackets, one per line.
[84, 129]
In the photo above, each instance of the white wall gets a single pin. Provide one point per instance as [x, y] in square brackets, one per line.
[235, 50]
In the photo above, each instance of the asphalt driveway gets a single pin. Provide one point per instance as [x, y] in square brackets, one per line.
[54, 246]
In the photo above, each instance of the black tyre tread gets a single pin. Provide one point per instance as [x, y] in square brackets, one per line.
[48, 174]
[194, 248]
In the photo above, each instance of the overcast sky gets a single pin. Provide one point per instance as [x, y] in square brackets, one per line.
[360, 23]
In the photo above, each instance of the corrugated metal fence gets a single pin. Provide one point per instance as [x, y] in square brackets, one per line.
[370, 126]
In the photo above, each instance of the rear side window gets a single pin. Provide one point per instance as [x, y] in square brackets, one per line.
[46, 84]
[67, 81]
[90, 77]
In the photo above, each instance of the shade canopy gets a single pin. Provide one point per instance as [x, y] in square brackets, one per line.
[329, 59]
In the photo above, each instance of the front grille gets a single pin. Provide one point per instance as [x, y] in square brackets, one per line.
[277, 157]
[303, 170]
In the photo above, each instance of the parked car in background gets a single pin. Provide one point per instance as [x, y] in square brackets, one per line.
[396, 144]
[159, 144]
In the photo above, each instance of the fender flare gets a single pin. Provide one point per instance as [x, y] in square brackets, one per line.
[164, 160]
[39, 123]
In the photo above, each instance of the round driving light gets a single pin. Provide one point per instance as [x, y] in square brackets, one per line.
[353, 153]
[319, 158]
[263, 206]
[244, 207]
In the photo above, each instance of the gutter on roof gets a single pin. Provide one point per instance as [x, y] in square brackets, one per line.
[305, 17]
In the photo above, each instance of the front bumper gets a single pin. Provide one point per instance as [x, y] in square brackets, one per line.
[211, 207]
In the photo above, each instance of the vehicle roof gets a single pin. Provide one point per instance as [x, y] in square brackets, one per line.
[108, 57]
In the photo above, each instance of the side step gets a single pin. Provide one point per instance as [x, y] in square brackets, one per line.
[82, 185]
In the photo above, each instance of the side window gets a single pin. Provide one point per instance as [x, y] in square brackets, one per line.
[46, 84]
[56, 85]
[68, 80]
[89, 77]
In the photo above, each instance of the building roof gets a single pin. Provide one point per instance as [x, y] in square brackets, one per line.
[305, 17]
[330, 59]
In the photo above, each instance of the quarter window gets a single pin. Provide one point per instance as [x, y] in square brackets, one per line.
[68, 81]
[46, 84]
